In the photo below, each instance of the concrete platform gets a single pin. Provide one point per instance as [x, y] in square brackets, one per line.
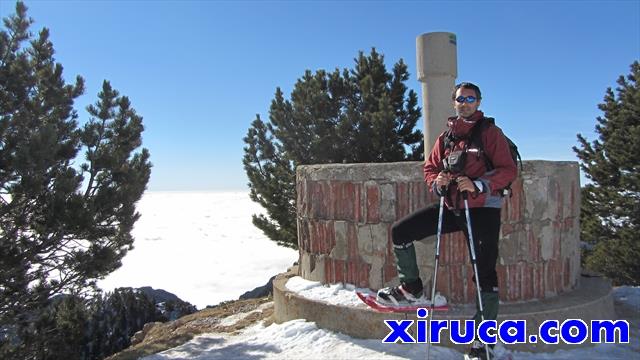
[592, 300]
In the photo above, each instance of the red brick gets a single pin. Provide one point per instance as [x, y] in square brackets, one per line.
[454, 251]
[470, 285]
[551, 270]
[534, 247]
[504, 213]
[527, 281]
[320, 237]
[517, 207]
[556, 245]
[443, 281]
[548, 279]
[557, 278]
[330, 236]
[331, 229]
[417, 191]
[572, 202]
[342, 200]
[533, 268]
[390, 272]
[373, 203]
[351, 272]
[560, 200]
[513, 285]
[300, 197]
[313, 237]
[357, 216]
[502, 281]
[462, 249]
[352, 241]
[339, 271]
[444, 249]
[363, 275]
[402, 199]
[431, 197]
[540, 272]
[328, 271]
[318, 200]
[566, 274]
[456, 291]
[303, 235]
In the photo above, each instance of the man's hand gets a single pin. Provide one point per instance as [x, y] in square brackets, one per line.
[443, 179]
[465, 184]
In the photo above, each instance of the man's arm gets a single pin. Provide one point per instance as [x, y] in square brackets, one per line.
[505, 170]
[433, 166]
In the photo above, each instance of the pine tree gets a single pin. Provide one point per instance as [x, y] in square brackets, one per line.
[364, 114]
[61, 331]
[610, 214]
[67, 193]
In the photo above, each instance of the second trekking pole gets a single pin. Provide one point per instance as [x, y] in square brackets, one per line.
[435, 271]
[474, 262]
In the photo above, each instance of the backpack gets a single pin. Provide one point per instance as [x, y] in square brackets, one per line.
[475, 138]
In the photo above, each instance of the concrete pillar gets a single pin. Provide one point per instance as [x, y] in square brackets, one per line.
[437, 71]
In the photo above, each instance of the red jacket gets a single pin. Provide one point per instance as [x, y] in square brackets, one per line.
[496, 149]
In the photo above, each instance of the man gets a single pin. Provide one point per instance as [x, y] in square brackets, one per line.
[457, 165]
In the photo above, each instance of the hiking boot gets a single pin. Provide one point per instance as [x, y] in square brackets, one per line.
[478, 351]
[405, 293]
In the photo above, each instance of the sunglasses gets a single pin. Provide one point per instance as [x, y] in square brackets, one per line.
[467, 99]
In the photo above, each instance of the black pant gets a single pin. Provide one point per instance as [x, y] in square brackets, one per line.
[485, 225]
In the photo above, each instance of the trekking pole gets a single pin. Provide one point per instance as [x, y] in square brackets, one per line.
[435, 272]
[474, 262]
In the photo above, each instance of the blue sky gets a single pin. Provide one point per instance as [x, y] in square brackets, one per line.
[200, 71]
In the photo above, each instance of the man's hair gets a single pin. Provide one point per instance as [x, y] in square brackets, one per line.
[467, 85]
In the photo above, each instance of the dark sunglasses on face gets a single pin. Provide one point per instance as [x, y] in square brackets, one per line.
[467, 99]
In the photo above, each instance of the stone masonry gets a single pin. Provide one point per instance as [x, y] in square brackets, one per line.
[345, 213]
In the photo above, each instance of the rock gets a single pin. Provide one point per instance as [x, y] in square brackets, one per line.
[158, 295]
[140, 335]
[260, 291]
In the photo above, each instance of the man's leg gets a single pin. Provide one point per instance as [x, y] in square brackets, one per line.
[485, 224]
[486, 232]
[404, 232]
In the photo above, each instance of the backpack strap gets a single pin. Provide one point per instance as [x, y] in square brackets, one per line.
[476, 138]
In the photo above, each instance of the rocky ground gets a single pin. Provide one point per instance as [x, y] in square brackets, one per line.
[228, 317]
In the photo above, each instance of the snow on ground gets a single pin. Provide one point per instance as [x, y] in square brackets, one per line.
[300, 339]
[628, 295]
[200, 246]
[296, 339]
[335, 294]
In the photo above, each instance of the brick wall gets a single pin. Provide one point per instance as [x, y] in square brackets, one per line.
[345, 212]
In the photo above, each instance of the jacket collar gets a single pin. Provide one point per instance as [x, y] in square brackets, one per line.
[461, 127]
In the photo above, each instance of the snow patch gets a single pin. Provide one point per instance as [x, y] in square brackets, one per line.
[628, 295]
[334, 294]
[337, 294]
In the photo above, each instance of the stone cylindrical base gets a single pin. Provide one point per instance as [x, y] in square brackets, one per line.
[345, 213]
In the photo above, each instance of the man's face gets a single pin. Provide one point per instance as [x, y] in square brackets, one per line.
[465, 109]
